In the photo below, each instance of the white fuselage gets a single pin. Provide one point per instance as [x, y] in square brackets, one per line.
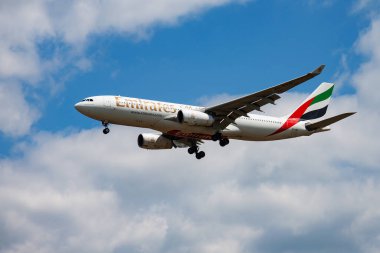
[161, 116]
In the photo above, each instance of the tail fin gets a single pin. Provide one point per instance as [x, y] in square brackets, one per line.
[315, 105]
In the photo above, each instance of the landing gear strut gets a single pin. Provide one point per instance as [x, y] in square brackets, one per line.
[198, 154]
[106, 130]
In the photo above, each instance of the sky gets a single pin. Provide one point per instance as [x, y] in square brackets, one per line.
[66, 187]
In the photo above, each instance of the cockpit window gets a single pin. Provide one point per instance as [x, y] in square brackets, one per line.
[88, 100]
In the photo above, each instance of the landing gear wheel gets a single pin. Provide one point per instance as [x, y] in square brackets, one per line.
[195, 150]
[224, 142]
[106, 130]
[200, 155]
[216, 136]
[192, 150]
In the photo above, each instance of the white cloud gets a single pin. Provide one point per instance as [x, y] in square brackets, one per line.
[216, 99]
[16, 115]
[26, 24]
[366, 78]
[22, 25]
[26, 27]
[82, 18]
[369, 5]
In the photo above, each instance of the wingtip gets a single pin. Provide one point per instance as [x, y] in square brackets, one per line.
[319, 70]
[348, 114]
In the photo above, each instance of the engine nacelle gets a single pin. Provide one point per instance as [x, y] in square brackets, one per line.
[195, 118]
[154, 141]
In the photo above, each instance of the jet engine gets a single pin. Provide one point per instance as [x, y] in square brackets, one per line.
[154, 141]
[194, 118]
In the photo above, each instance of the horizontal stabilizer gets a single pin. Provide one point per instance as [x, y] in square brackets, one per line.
[326, 122]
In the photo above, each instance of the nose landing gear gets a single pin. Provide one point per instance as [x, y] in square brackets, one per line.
[106, 130]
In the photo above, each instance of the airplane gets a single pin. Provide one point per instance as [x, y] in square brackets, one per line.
[187, 126]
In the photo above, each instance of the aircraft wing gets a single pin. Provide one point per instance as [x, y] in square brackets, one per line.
[228, 112]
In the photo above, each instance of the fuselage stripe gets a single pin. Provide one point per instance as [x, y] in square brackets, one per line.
[323, 96]
[294, 118]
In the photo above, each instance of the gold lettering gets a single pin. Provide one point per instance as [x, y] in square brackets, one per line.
[140, 105]
[159, 107]
[169, 108]
[153, 107]
[119, 102]
[131, 103]
[172, 109]
[166, 108]
[149, 106]
[146, 105]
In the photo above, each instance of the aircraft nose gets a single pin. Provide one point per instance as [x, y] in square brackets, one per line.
[78, 106]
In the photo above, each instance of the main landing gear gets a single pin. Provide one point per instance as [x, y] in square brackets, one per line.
[198, 154]
[222, 140]
[106, 130]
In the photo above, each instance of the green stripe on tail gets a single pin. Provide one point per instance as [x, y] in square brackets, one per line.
[323, 96]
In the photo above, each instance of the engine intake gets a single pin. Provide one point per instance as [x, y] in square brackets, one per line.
[154, 141]
[194, 118]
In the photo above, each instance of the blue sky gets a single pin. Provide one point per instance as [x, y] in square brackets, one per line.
[66, 187]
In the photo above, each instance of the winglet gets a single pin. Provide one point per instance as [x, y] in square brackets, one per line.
[318, 70]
